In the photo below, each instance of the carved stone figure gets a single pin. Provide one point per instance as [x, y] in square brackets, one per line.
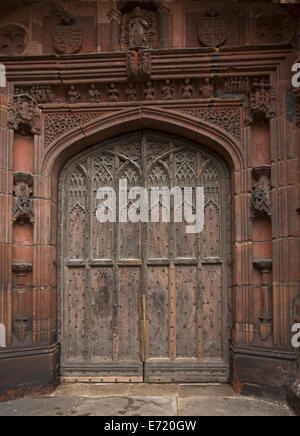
[260, 201]
[94, 94]
[149, 91]
[139, 29]
[23, 209]
[73, 95]
[23, 114]
[167, 90]
[207, 89]
[131, 92]
[187, 90]
[113, 93]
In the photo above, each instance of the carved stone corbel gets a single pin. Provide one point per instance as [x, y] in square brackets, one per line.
[23, 191]
[260, 200]
[266, 316]
[23, 115]
[139, 65]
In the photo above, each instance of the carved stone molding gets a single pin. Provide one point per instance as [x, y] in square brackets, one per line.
[58, 123]
[23, 209]
[263, 265]
[22, 267]
[260, 201]
[23, 114]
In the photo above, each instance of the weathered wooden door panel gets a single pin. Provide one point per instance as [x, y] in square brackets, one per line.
[144, 301]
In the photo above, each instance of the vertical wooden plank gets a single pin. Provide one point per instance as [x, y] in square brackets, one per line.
[101, 315]
[158, 300]
[74, 316]
[186, 290]
[212, 297]
[128, 314]
[172, 312]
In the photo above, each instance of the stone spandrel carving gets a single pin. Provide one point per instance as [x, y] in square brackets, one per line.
[13, 40]
[23, 114]
[139, 29]
[228, 119]
[23, 191]
[57, 124]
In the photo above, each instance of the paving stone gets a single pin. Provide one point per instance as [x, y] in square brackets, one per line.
[64, 406]
[238, 406]
[128, 406]
[186, 391]
[91, 390]
[153, 390]
[143, 400]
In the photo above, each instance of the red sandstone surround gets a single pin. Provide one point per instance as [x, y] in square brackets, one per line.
[230, 92]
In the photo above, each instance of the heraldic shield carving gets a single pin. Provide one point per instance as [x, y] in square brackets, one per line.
[212, 29]
[67, 39]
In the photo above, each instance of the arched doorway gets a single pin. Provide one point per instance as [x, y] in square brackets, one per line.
[144, 301]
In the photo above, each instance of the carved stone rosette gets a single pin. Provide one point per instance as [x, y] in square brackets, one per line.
[260, 200]
[23, 209]
[23, 114]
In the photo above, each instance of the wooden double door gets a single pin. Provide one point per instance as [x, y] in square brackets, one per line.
[144, 301]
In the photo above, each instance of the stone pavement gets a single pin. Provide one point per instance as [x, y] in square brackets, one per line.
[143, 400]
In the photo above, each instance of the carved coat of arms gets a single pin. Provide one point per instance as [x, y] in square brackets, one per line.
[212, 30]
[67, 39]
